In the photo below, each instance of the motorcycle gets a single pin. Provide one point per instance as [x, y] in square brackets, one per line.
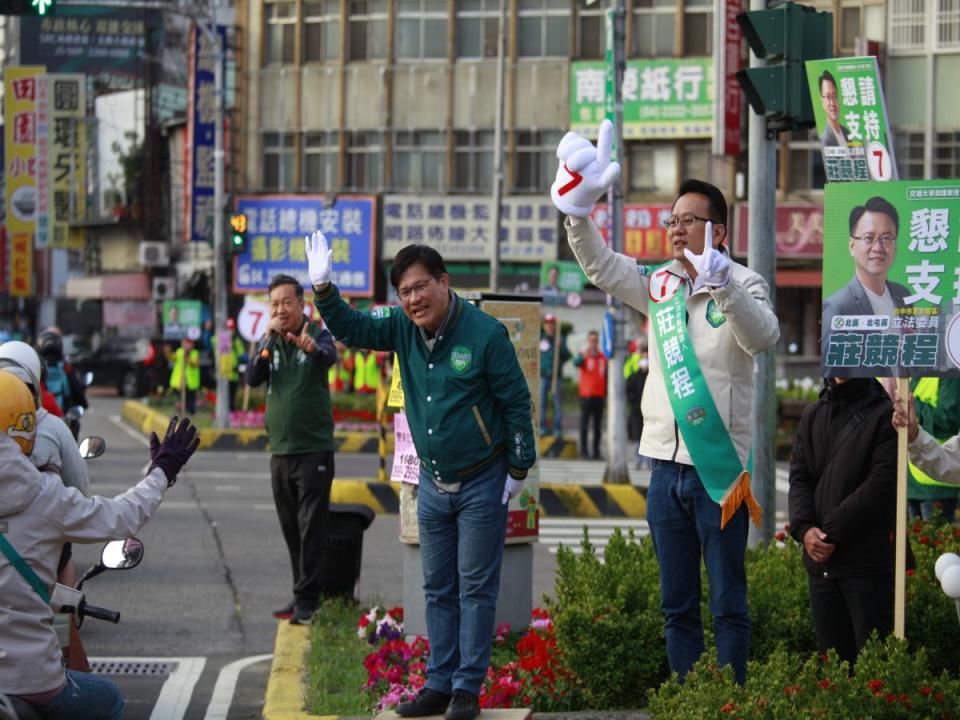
[116, 555]
[72, 416]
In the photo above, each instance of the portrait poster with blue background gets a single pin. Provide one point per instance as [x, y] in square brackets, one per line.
[276, 226]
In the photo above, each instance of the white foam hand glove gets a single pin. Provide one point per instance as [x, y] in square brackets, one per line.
[713, 267]
[585, 172]
[511, 489]
[319, 258]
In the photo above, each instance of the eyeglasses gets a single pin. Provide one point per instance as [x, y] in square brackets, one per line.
[688, 221]
[869, 239]
[407, 293]
[830, 97]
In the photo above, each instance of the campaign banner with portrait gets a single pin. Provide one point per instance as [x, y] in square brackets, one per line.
[179, 316]
[276, 226]
[852, 119]
[891, 279]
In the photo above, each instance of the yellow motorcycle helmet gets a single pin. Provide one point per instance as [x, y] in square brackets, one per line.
[18, 413]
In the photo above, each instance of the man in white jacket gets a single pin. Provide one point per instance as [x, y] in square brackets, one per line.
[696, 405]
[939, 461]
[38, 514]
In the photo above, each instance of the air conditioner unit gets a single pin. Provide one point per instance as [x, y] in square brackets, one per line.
[164, 288]
[154, 254]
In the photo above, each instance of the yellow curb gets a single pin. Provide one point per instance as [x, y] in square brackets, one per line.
[354, 492]
[575, 499]
[285, 687]
[630, 500]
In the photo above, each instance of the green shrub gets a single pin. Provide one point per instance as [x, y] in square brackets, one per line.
[931, 616]
[887, 682]
[607, 620]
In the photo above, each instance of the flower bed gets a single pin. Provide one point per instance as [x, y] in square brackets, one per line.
[599, 644]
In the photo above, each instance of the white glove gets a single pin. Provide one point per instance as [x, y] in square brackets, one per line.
[713, 267]
[319, 258]
[585, 172]
[511, 489]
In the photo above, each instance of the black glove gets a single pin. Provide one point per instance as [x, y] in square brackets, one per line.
[179, 443]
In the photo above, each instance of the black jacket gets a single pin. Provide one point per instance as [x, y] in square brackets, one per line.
[849, 492]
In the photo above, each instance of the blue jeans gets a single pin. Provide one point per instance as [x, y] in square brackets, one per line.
[942, 509]
[557, 410]
[461, 548]
[85, 697]
[685, 523]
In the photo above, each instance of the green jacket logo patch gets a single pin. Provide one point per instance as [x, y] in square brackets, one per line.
[380, 313]
[714, 316]
[461, 358]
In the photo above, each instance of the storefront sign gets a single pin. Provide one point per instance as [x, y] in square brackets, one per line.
[799, 231]
[645, 237]
[66, 153]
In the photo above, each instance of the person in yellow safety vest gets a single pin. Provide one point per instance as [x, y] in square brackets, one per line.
[366, 374]
[230, 362]
[192, 366]
[338, 376]
[937, 403]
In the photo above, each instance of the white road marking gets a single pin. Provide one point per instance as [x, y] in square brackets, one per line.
[264, 506]
[235, 474]
[226, 685]
[783, 481]
[174, 698]
[118, 421]
[223, 488]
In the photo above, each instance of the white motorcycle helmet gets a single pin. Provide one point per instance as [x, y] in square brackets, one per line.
[18, 415]
[22, 361]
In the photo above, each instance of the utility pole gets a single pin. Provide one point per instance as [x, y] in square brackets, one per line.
[616, 470]
[761, 258]
[498, 151]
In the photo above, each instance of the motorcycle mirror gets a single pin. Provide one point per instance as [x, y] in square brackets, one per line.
[88, 379]
[122, 554]
[92, 447]
[74, 413]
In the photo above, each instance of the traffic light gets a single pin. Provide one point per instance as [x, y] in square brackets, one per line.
[238, 234]
[785, 37]
[26, 7]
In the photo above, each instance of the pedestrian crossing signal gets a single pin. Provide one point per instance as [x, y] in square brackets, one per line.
[238, 234]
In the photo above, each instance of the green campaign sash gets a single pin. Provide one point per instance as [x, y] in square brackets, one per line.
[706, 437]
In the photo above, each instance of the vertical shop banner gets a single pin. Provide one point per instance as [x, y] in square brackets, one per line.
[732, 62]
[20, 163]
[66, 145]
[852, 119]
[458, 227]
[276, 226]
[645, 237]
[201, 131]
[662, 98]
[41, 238]
[891, 286]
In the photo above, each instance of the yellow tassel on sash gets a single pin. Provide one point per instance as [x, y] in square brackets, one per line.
[738, 494]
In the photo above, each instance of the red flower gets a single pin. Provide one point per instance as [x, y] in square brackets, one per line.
[939, 697]
[875, 686]
[905, 700]
[824, 683]
[363, 622]
[890, 698]
[825, 659]
[728, 708]
[924, 540]
[925, 690]
[780, 535]
[791, 690]
[911, 572]
[396, 613]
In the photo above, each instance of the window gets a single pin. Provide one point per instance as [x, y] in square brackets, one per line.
[909, 147]
[653, 168]
[473, 160]
[806, 162]
[368, 29]
[946, 156]
[278, 161]
[477, 22]
[543, 28]
[321, 151]
[696, 160]
[418, 160]
[908, 19]
[698, 27]
[591, 33]
[365, 160]
[421, 29]
[536, 159]
[860, 21]
[321, 30]
[653, 27]
[279, 20]
[948, 24]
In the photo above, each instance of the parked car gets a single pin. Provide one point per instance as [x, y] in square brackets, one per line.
[134, 366]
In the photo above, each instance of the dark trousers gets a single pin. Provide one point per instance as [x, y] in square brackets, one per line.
[591, 407]
[301, 492]
[846, 610]
[191, 398]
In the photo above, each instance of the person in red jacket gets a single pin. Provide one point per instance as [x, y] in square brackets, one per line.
[593, 391]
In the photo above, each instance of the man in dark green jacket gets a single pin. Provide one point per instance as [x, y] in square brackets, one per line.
[937, 403]
[470, 416]
[293, 357]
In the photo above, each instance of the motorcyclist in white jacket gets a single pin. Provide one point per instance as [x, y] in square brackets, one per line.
[38, 514]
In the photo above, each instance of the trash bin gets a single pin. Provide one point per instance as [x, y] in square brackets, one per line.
[344, 548]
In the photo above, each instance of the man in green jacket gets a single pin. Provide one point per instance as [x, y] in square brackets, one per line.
[293, 357]
[470, 416]
[938, 409]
